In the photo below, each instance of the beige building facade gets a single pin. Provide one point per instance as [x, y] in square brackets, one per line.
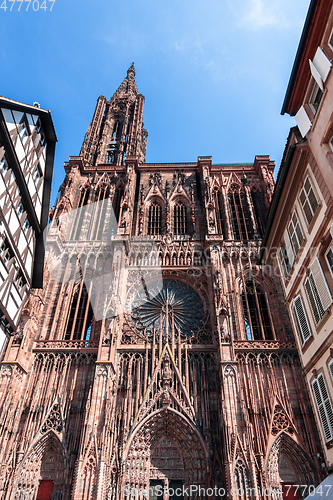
[298, 243]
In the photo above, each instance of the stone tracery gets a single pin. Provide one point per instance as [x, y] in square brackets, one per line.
[176, 309]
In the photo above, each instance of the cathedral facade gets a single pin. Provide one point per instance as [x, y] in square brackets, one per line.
[158, 357]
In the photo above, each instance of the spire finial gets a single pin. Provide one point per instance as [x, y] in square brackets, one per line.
[131, 69]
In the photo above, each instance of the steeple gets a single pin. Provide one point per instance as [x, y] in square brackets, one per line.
[128, 86]
[116, 130]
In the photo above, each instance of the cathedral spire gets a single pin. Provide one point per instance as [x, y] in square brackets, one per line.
[116, 130]
[128, 85]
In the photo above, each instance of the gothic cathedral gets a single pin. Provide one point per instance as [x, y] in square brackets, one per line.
[158, 353]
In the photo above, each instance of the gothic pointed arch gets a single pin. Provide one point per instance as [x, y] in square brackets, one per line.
[286, 454]
[166, 388]
[281, 420]
[179, 188]
[241, 478]
[238, 451]
[54, 420]
[88, 471]
[216, 185]
[155, 188]
[233, 182]
[44, 464]
[165, 446]
[103, 182]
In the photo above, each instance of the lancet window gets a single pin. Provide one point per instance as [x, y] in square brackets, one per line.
[154, 219]
[79, 216]
[89, 220]
[240, 214]
[97, 214]
[257, 319]
[80, 317]
[220, 214]
[260, 211]
[241, 480]
[116, 202]
[180, 218]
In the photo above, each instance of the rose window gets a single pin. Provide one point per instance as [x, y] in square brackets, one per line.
[177, 309]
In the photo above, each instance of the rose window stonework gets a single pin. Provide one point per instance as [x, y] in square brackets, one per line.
[175, 309]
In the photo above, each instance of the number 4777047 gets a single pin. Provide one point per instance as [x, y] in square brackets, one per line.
[25, 4]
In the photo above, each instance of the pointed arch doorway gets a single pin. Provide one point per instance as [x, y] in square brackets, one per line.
[165, 452]
[41, 475]
[288, 464]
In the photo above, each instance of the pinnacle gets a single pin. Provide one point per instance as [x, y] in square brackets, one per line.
[131, 70]
[129, 84]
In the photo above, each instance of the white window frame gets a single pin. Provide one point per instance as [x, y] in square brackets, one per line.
[294, 232]
[317, 291]
[329, 249]
[302, 324]
[314, 103]
[324, 406]
[330, 40]
[330, 142]
[307, 199]
[330, 367]
[284, 261]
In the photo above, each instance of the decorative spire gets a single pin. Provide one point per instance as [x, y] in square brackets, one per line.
[131, 70]
[129, 83]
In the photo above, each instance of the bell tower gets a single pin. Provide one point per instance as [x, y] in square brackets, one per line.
[116, 130]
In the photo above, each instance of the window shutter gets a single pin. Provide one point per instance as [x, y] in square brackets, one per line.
[322, 64]
[316, 75]
[308, 200]
[303, 121]
[311, 196]
[314, 299]
[324, 406]
[321, 284]
[301, 320]
[295, 233]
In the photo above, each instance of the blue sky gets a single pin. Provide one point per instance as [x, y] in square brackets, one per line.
[213, 73]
